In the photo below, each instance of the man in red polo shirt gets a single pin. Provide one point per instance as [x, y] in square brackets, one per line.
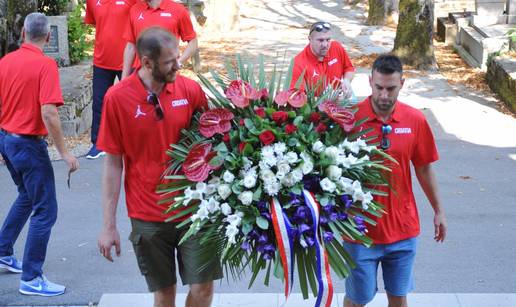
[142, 116]
[323, 62]
[166, 14]
[109, 18]
[29, 97]
[403, 133]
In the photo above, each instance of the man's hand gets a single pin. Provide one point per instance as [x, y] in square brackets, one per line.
[73, 163]
[440, 227]
[345, 86]
[107, 239]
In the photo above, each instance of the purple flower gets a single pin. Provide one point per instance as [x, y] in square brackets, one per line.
[253, 234]
[328, 208]
[310, 241]
[300, 214]
[328, 236]
[246, 246]
[269, 248]
[311, 183]
[303, 228]
[262, 205]
[323, 220]
[266, 256]
[333, 216]
[342, 216]
[346, 201]
[359, 220]
[263, 239]
[266, 215]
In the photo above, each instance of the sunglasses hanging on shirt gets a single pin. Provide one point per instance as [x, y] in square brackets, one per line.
[153, 99]
[385, 143]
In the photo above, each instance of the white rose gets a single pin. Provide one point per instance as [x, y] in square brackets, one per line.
[226, 209]
[331, 152]
[280, 148]
[345, 185]
[318, 147]
[200, 187]
[246, 197]
[288, 180]
[228, 177]
[235, 219]
[267, 175]
[297, 175]
[211, 188]
[283, 168]
[333, 172]
[307, 167]
[249, 181]
[291, 157]
[271, 187]
[328, 185]
[224, 191]
[354, 147]
[213, 205]
[305, 156]
[267, 151]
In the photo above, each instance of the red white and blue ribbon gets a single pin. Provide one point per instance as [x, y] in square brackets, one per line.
[285, 240]
[325, 289]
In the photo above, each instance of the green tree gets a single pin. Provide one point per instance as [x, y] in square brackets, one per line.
[12, 14]
[376, 13]
[413, 42]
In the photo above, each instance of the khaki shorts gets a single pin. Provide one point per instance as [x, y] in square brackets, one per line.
[155, 245]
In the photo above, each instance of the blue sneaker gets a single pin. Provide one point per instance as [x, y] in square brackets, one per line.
[94, 153]
[41, 286]
[11, 264]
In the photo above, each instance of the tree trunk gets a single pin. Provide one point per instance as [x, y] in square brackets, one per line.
[376, 14]
[11, 22]
[413, 42]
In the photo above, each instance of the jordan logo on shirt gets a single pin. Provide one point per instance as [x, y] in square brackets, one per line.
[98, 3]
[315, 74]
[139, 112]
[140, 17]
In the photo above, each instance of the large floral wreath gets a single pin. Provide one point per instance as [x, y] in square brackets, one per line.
[271, 175]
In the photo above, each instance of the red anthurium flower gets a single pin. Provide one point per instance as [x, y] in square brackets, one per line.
[264, 94]
[241, 146]
[215, 121]
[241, 92]
[226, 138]
[267, 137]
[294, 97]
[290, 128]
[315, 117]
[321, 128]
[196, 166]
[339, 114]
[260, 112]
[279, 117]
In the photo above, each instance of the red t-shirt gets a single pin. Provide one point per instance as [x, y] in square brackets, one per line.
[411, 141]
[332, 68]
[28, 80]
[169, 15]
[110, 19]
[129, 128]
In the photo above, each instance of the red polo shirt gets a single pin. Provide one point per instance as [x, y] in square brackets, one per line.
[110, 19]
[129, 128]
[28, 80]
[169, 15]
[332, 68]
[412, 141]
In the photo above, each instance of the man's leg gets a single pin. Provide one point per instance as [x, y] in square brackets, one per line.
[165, 297]
[19, 212]
[348, 303]
[397, 267]
[200, 295]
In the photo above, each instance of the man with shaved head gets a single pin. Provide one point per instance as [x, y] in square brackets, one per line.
[142, 116]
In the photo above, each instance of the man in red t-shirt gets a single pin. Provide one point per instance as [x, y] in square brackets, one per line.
[29, 97]
[166, 14]
[143, 114]
[323, 62]
[403, 133]
[109, 18]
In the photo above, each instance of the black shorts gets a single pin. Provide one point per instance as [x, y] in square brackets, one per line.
[155, 245]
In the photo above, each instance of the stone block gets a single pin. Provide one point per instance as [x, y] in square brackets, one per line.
[479, 47]
[484, 20]
[501, 77]
[57, 46]
[446, 30]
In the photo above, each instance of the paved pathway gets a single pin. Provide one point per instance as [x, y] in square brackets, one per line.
[476, 175]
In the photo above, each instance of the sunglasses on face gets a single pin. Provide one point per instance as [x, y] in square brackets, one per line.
[320, 26]
[153, 99]
[385, 143]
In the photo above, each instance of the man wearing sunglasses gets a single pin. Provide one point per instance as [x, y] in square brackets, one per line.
[403, 133]
[323, 62]
[143, 114]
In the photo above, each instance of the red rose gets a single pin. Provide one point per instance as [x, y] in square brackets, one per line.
[279, 117]
[225, 138]
[290, 128]
[267, 137]
[321, 128]
[265, 94]
[241, 146]
[242, 122]
[315, 117]
[260, 112]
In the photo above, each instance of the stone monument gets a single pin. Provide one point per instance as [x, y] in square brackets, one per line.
[57, 46]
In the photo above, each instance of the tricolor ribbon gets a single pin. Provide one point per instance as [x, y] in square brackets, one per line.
[285, 240]
[325, 290]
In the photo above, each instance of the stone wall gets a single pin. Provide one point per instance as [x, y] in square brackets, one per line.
[501, 77]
